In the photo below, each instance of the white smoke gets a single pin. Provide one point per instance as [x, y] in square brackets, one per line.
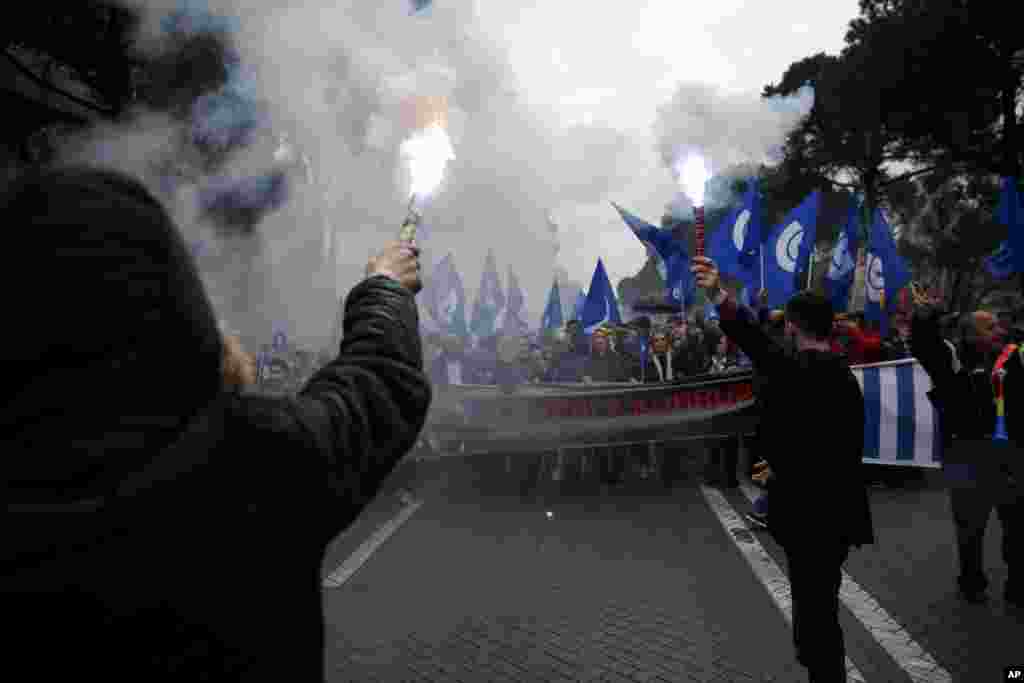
[728, 129]
[332, 75]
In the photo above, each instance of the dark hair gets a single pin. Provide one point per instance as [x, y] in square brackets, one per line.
[811, 313]
[711, 339]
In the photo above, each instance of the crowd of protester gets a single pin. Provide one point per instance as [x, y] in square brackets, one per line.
[188, 467]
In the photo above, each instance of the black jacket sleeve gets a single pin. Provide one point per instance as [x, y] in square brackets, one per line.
[767, 356]
[361, 413]
[930, 350]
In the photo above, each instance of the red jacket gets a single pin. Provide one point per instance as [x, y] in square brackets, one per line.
[862, 348]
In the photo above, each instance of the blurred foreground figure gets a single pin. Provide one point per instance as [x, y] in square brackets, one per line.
[793, 399]
[160, 525]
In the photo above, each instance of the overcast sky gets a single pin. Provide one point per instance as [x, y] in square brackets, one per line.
[615, 62]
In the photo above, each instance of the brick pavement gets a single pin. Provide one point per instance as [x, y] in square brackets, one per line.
[480, 586]
[625, 589]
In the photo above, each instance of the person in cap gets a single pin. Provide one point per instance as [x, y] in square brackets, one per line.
[139, 488]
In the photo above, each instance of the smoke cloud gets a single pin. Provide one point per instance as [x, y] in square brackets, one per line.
[282, 166]
[728, 129]
[282, 163]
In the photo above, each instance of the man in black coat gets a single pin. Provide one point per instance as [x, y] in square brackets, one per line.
[604, 364]
[159, 527]
[804, 391]
[983, 473]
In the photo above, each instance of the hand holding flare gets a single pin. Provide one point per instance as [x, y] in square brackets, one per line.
[428, 151]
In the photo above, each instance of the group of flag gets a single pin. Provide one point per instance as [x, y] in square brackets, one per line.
[443, 302]
[776, 260]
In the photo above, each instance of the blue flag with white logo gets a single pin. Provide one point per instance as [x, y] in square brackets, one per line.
[735, 246]
[788, 250]
[447, 298]
[670, 257]
[601, 306]
[842, 266]
[552, 319]
[490, 300]
[1002, 263]
[885, 273]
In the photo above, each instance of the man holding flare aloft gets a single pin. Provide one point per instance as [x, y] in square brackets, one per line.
[808, 387]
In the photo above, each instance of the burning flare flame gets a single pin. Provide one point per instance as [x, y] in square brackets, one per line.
[693, 175]
[427, 152]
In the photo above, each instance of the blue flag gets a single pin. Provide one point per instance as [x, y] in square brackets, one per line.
[842, 267]
[1011, 214]
[552, 319]
[447, 299]
[885, 273]
[670, 257]
[735, 246]
[601, 306]
[581, 301]
[489, 300]
[1001, 264]
[513, 322]
[788, 250]
[421, 7]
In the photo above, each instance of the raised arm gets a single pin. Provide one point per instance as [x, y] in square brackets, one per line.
[766, 355]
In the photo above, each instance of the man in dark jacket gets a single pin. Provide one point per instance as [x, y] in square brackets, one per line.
[158, 527]
[604, 364]
[983, 473]
[811, 387]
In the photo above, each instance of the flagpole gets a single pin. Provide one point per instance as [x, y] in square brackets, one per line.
[762, 268]
[810, 270]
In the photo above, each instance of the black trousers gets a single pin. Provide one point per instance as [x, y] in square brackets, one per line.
[972, 508]
[723, 461]
[815, 574]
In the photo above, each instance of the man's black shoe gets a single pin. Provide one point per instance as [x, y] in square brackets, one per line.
[975, 597]
[758, 520]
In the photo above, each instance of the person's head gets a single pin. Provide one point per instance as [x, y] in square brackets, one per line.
[599, 343]
[724, 346]
[809, 318]
[660, 342]
[899, 322]
[641, 324]
[715, 343]
[981, 331]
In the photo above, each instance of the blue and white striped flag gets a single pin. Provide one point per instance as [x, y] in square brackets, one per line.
[900, 424]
